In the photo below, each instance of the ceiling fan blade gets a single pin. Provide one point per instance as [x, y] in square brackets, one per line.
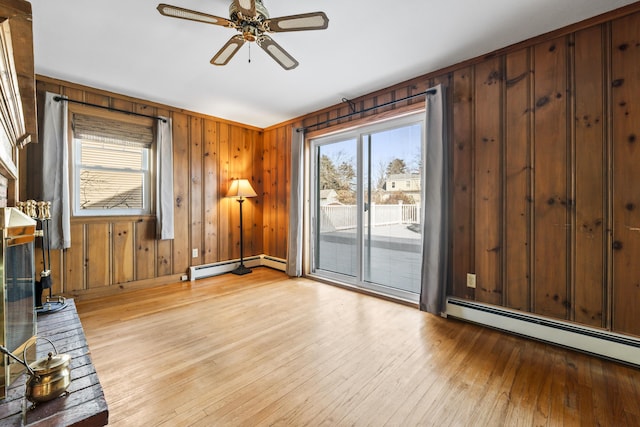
[280, 55]
[225, 54]
[302, 22]
[192, 15]
[246, 7]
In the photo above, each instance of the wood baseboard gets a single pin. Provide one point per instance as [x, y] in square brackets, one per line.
[195, 272]
[87, 294]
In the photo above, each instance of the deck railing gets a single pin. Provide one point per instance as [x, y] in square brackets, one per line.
[344, 217]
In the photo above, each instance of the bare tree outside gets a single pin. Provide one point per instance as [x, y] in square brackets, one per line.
[337, 173]
[97, 191]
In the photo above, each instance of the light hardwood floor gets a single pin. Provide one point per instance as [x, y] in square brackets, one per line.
[264, 349]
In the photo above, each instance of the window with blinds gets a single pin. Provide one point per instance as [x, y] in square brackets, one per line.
[112, 170]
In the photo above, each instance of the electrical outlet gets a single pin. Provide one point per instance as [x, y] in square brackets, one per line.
[184, 278]
[194, 253]
[471, 280]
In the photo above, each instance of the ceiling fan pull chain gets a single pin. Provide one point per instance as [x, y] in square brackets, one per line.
[249, 53]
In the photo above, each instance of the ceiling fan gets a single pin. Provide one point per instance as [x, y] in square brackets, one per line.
[251, 19]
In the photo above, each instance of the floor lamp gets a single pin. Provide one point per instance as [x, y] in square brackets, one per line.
[241, 189]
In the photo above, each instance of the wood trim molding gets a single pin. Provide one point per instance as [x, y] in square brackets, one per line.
[376, 118]
[86, 294]
[84, 88]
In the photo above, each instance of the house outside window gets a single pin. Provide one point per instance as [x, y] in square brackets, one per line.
[111, 165]
[412, 184]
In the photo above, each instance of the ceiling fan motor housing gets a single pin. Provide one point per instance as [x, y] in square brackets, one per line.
[250, 26]
[261, 13]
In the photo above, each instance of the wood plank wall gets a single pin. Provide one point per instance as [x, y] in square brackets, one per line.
[276, 157]
[110, 254]
[545, 200]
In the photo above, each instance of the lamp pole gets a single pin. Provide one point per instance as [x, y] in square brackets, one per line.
[240, 189]
[241, 269]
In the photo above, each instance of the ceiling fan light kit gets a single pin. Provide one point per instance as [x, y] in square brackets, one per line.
[251, 19]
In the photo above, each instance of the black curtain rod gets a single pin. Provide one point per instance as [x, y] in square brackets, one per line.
[353, 113]
[59, 98]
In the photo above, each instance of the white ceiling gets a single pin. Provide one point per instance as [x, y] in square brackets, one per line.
[127, 47]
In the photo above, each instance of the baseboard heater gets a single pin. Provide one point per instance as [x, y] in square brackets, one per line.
[209, 270]
[602, 343]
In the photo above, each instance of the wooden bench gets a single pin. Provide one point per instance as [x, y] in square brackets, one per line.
[85, 404]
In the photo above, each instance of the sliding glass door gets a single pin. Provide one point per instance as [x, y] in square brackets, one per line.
[367, 186]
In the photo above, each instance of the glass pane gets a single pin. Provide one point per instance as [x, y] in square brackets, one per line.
[392, 231]
[100, 189]
[19, 302]
[336, 249]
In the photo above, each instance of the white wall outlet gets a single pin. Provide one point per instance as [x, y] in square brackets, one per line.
[471, 280]
[194, 253]
[184, 278]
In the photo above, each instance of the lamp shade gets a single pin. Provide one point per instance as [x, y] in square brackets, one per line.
[241, 188]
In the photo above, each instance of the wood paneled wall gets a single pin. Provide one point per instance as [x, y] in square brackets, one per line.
[277, 173]
[544, 142]
[109, 254]
[549, 130]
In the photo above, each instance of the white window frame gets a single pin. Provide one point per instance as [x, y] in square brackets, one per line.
[76, 167]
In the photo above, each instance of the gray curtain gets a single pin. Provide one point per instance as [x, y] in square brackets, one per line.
[294, 244]
[164, 180]
[55, 170]
[436, 206]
